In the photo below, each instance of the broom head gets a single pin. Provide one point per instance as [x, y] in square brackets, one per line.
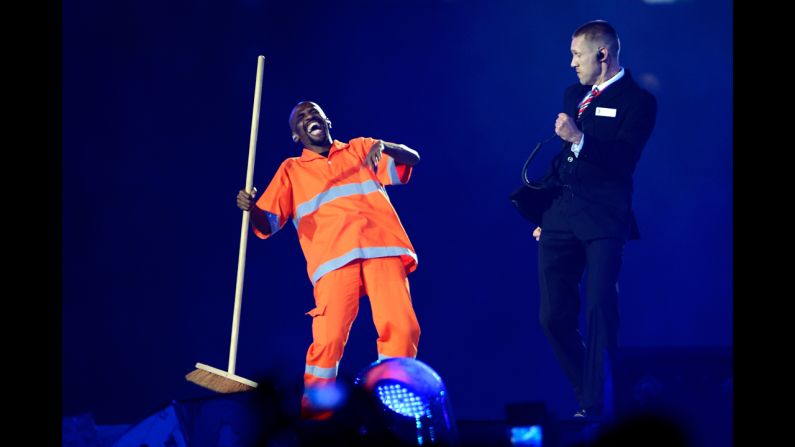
[218, 380]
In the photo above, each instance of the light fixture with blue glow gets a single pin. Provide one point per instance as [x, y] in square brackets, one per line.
[411, 403]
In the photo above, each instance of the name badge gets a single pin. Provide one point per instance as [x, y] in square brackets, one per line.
[606, 111]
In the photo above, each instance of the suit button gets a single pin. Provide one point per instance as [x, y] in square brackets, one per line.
[570, 159]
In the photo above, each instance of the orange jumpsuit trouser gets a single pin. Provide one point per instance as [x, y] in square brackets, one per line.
[337, 296]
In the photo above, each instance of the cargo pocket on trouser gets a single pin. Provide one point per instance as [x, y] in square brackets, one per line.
[318, 334]
[317, 311]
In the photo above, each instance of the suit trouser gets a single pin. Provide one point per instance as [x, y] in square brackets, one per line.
[337, 296]
[561, 263]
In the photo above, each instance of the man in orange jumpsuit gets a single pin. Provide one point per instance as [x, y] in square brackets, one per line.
[351, 236]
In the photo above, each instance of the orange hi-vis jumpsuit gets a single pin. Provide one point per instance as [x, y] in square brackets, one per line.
[354, 245]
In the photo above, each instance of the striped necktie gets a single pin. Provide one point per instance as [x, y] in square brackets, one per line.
[585, 102]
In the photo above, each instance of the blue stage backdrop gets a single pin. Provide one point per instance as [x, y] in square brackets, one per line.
[157, 102]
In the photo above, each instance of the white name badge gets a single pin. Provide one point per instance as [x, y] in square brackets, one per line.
[606, 111]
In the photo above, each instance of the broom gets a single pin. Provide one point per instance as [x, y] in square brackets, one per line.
[204, 375]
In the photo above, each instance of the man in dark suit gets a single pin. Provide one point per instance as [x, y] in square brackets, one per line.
[606, 122]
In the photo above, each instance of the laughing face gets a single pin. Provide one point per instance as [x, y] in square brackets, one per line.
[310, 125]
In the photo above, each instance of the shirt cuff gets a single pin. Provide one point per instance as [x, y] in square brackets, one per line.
[577, 146]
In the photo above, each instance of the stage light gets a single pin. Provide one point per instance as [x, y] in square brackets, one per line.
[529, 436]
[400, 400]
[527, 421]
[408, 402]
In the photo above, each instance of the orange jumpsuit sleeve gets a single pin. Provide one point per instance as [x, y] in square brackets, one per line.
[277, 201]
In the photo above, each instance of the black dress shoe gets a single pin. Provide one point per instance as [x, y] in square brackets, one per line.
[593, 413]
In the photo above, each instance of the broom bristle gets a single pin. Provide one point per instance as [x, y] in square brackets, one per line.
[216, 382]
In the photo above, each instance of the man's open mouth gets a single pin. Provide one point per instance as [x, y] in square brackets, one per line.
[314, 128]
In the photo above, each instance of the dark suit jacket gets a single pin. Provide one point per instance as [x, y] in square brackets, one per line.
[594, 190]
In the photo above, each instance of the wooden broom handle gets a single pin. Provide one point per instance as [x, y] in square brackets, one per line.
[241, 260]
